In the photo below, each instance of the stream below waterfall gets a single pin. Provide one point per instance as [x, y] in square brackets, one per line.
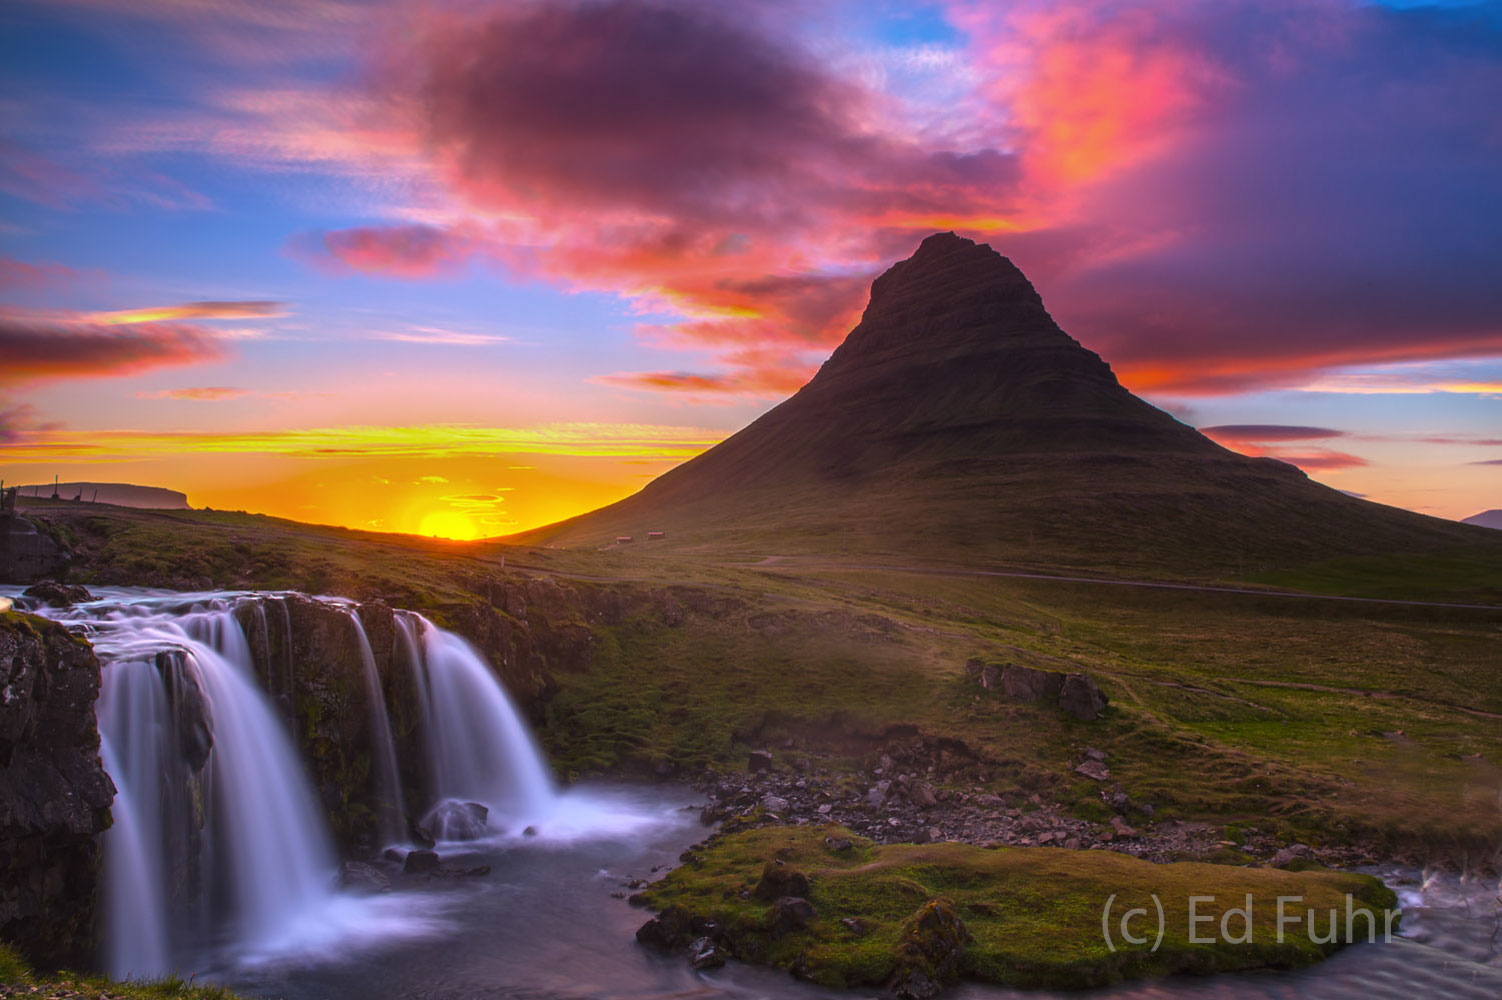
[206, 767]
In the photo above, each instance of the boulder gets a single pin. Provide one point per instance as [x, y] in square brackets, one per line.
[1082, 698]
[930, 949]
[1021, 683]
[357, 876]
[1290, 854]
[789, 914]
[420, 861]
[58, 595]
[455, 820]
[778, 880]
[668, 931]
[706, 953]
[1094, 770]
[759, 760]
[922, 795]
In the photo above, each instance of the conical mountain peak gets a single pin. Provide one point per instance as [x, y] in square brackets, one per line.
[957, 423]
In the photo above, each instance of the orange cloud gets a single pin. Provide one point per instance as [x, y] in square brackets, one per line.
[191, 310]
[205, 393]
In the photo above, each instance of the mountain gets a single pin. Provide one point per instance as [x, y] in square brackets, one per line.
[957, 424]
[119, 494]
[1485, 519]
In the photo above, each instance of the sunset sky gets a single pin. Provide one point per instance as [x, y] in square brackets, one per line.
[468, 267]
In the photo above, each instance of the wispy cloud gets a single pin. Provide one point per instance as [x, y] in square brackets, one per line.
[254, 309]
[200, 394]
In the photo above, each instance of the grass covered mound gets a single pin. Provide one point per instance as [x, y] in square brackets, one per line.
[18, 980]
[841, 911]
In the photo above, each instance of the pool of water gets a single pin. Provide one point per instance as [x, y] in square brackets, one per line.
[543, 924]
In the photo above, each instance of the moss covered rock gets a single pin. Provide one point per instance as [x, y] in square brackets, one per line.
[917, 917]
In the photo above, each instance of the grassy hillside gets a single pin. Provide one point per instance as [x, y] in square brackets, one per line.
[1320, 720]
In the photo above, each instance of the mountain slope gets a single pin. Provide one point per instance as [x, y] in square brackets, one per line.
[958, 424]
[1485, 519]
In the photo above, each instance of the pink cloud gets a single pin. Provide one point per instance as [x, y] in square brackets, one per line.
[43, 348]
[39, 276]
[1185, 182]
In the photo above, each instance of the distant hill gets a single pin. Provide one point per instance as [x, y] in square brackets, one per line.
[958, 424]
[119, 494]
[1486, 519]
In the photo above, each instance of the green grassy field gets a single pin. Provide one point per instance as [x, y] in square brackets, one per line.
[1323, 721]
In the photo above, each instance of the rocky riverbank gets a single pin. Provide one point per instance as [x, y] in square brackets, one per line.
[919, 789]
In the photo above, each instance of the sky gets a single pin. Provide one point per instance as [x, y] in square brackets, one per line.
[465, 268]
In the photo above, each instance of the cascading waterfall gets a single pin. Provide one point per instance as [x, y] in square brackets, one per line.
[265, 856]
[133, 710]
[218, 839]
[390, 802]
[478, 748]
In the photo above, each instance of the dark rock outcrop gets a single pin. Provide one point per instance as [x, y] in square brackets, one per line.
[1075, 692]
[27, 554]
[1026, 684]
[1082, 698]
[58, 595]
[54, 794]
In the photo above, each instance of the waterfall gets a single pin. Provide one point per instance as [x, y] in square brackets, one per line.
[389, 799]
[211, 796]
[133, 710]
[218, 842]
[478, 748]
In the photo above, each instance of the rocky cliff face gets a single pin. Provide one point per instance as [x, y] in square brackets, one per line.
[309, 659]
[27, 554]
[54, 794]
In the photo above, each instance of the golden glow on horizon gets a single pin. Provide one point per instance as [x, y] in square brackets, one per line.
[586, 440]
[449, 524]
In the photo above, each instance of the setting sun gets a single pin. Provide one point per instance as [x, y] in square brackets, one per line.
[449, 524]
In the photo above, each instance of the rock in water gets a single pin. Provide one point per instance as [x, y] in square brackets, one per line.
[455, 820]
[419, 862]
[58, 595]
[706, 953]
[668, 931]
[357, 876]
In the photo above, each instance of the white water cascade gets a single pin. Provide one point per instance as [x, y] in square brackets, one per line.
[231, 826]
[389, 801]
[219, 847]
[478, 748]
